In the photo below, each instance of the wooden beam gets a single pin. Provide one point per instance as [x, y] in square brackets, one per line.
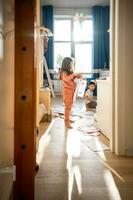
[25, 100]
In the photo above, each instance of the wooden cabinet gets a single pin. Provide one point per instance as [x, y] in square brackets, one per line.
[103, 110]
[45, 98]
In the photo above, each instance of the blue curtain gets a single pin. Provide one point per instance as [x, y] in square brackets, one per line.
[101, 37]
[48, 21]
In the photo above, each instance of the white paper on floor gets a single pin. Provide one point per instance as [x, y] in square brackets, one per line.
[97, 146]
[88, 114]
[55, 114]
[72, 118]
[60, 109]
[84, 121]
[93, 143]
[91, 129]
[95, 134]
[86, 125]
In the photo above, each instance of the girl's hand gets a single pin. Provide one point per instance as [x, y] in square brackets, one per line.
[82, 78]
[79, 76]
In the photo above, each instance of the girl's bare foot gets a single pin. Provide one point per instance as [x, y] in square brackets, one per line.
[67, 125]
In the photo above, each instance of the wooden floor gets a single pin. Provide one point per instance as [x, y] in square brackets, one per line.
[69, 170]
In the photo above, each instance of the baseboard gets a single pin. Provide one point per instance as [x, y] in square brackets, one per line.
[129, 152]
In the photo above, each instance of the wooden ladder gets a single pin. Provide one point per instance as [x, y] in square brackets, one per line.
[48, 76]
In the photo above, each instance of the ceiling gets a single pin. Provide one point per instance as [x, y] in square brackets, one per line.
[74, 3]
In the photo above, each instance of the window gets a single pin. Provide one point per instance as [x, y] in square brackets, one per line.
[73, 39]
[62, 30]
[83, 57]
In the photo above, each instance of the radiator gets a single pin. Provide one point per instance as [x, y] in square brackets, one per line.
[57, 86]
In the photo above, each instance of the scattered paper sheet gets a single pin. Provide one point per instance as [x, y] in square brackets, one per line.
[81, 88]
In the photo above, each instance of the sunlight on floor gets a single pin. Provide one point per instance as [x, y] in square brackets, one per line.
[74, 173]
[103, 159]
[76, 165]
[102, 155]
[73, 143]
[73, 150]
[112, 170]
[43, 143]
[109, 181]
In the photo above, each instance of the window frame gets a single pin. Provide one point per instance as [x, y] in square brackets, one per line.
[72, 42]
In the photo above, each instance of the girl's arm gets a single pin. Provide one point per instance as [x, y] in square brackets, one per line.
[78, 76]
[68, 78]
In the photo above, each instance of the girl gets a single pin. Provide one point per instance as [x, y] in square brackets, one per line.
[68, 86]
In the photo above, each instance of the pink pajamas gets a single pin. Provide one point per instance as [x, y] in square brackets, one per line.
[68, 89]
[68, 100]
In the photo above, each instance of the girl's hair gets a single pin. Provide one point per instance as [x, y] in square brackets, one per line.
[66, 65]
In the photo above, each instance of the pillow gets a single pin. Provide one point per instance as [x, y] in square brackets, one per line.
[41, 111]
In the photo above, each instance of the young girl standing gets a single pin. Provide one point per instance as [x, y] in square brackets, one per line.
[68, 86]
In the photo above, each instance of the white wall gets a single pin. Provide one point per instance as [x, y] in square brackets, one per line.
[74, 3]
[72, 11]
[127, 28]
[122, 76]
[6, 83]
